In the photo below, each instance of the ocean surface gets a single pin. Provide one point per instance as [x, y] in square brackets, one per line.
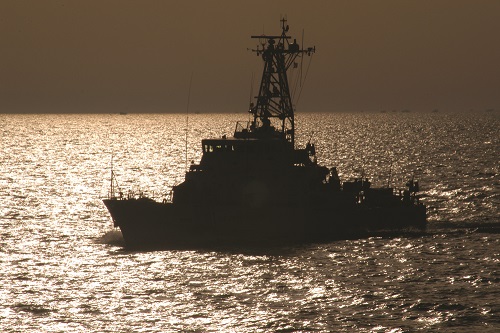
[63, 268]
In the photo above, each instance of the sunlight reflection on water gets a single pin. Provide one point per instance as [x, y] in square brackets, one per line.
[63, 268]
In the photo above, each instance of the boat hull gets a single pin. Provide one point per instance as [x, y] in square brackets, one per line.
[146, 224]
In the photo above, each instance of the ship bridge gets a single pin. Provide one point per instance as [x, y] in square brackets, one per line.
[250, 154]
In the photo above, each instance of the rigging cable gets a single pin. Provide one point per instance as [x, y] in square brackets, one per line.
[305, 77]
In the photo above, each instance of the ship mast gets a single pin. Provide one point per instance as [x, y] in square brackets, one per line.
[273, 114]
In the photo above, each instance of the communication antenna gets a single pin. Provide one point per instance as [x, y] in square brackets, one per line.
[251, 92]
[111, 188]
[390, 176]
[187, 119]
[250, 98]
[301, 59]
[311, 136]
[113, 182]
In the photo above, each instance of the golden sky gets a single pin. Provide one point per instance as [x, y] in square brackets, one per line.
[138, 56]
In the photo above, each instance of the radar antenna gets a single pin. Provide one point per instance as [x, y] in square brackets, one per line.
[273, 114]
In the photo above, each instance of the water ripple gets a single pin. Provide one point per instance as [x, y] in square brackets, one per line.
[64, 270]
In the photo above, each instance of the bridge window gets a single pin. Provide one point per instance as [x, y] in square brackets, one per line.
[208, 148]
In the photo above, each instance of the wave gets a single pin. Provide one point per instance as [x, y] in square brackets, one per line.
[112, 237]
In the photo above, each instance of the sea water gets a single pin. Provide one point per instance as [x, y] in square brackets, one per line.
[63, 268]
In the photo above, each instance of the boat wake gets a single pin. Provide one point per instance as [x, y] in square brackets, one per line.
[112, 237]
[443, 227]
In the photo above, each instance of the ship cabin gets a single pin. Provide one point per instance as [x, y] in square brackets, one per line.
[223, 154]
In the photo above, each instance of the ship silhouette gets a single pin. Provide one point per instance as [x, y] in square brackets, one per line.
[257, 188]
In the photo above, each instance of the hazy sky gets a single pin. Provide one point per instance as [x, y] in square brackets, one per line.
[138, 56]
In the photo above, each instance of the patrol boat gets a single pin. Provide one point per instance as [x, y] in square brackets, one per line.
[258, 189]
